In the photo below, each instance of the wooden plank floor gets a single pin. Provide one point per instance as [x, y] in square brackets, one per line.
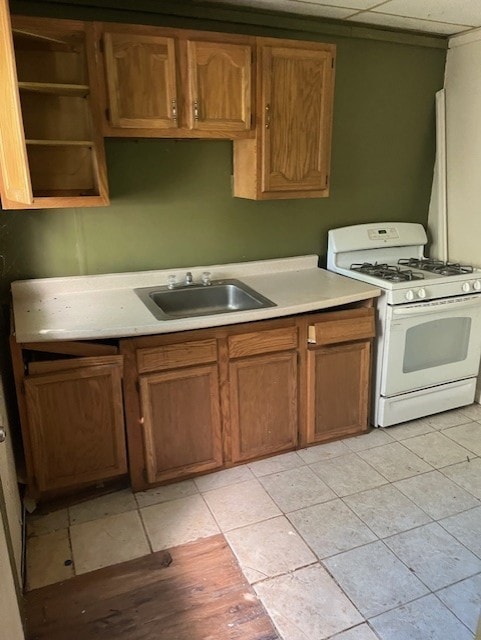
[201, 595]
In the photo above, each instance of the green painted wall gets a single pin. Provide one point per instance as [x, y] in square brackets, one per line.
[171, 202]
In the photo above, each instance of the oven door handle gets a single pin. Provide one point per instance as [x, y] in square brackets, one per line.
[437, 306]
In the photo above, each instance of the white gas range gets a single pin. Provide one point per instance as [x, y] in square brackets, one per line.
[429, 319]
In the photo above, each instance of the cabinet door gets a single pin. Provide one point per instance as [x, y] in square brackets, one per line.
[181, 419]
[76, 426]
[15, 176]
[297, 87]
[219, 86]
[263, 405]
[337, 390]
[141, 80]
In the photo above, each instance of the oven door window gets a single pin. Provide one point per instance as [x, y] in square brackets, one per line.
[424, 346]
[436, 343]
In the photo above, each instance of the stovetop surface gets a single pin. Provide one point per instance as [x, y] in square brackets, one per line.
[412, 269]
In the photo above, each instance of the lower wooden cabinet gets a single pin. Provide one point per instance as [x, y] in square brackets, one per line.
[74, 412]
[338, 374]
[181, 421]
[194, 401]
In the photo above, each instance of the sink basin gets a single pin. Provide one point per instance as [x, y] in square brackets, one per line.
[221, 296]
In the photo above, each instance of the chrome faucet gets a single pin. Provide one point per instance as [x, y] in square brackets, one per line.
[188, 278]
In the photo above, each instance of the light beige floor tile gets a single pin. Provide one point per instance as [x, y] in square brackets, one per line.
[409, 429]
[348, 474]
[437, 450]
[434, 556]
[106, 541]
[276, 463]
[178, 521]
[386, 510]
[296, 488]
[437, 495]
[419, 620]
[464, 600]
[223, 478]
[467, 475]
[467, 435]
[361, 632]
[330, 528]
[307, 604]
[394, 461]
[241, 504]
[324, 451]
[269, 548]
[471, 411]
[168, 492]
[38, 525]
[109, 505]
[374, 578]
[374, 438]
[46, 558]
[466, 527]
[446, 419]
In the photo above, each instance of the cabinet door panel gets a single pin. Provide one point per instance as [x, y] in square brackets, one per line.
[15, 176]
[263, 397]
[296, 103]
[141, 80]
[76, 426]
[338, 390]
[181, 418]
[219, 85]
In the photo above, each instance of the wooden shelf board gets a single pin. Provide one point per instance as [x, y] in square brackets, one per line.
[55, 88]
[58, 143]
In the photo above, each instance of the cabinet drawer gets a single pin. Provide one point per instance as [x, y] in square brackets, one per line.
[343, 326]
[257, 342]
[182, 354]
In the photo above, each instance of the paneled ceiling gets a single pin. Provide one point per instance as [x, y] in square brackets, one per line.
[444, 17]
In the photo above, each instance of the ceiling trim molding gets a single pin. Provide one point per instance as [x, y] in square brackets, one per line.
[218, 17]
[464, 38]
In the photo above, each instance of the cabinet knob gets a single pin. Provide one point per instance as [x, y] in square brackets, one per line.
[3, 434]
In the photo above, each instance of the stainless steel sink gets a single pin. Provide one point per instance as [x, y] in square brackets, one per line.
[221, 296]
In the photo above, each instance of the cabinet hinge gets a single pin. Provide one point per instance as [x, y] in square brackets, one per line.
[137, 386]
[107, 114]
[144, 475]
[101, 45]
[22, 387]
[332, 63]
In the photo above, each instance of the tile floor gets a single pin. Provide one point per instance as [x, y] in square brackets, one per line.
[373, 537]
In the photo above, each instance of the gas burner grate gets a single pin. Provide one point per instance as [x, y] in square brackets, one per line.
[390, 272]
[436, 266]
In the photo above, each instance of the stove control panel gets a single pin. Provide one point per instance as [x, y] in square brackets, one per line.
[384, 233]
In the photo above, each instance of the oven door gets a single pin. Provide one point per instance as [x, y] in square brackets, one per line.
[430, 343]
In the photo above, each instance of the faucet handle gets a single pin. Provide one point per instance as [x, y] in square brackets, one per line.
[188, 277]
[206, 280]
[171, 281]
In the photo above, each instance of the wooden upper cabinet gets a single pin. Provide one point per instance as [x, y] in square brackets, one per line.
[175, 83]
[290, 156]
[51, 150]
[219, 86]
[141, 80]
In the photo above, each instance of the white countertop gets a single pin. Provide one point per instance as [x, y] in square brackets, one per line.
[106, 306]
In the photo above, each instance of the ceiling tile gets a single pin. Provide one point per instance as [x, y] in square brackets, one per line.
[466, 12]
[401, 22]
[301, 8]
